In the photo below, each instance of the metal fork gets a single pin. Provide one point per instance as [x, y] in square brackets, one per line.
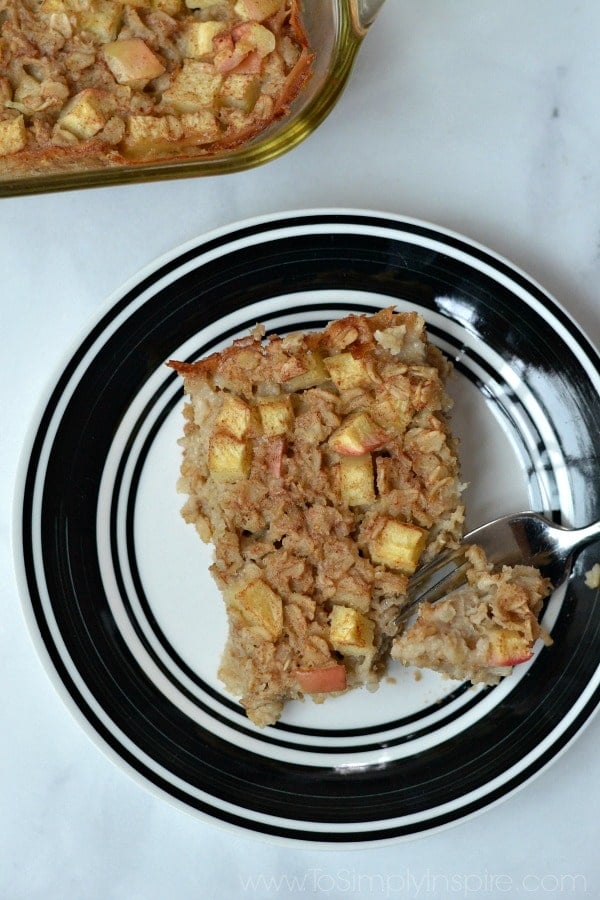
[526, 538]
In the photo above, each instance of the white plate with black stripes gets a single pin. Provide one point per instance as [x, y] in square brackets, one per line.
[116, 587]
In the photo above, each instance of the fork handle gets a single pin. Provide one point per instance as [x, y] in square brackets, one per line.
[581, 537]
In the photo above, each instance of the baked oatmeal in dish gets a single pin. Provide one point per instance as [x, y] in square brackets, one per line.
[480, 631]
[100, 83]
[322, 469]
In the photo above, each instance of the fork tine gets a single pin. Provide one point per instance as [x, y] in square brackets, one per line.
[427, 572]
[444, 585]
[434, 581]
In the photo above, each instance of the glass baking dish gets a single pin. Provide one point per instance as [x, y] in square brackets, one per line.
[335, 28]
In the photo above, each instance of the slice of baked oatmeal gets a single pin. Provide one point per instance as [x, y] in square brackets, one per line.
[321, 467]
[480, 631]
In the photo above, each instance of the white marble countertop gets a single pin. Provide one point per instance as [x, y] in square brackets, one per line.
[479, 117]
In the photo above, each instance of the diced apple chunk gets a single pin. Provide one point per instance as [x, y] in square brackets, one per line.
[257, 10]
[150, 135]
[27, 92]
[197, 38]
[260, 605]
[314, 374]
[240, 91]
[391, 413]
[357, 480]
[398, 545]
[86, 113]
[508, 648]
[322, 680]
[251, 36]
[351, 633]
[357, 435]
[228, 457]
[13, 136]
[194, 87]
[276, 415]
[132, 62]
[200, 127]
[347, 371]
[234, 416]
[102, 18]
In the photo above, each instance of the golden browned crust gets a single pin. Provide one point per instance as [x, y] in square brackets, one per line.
[64, 109]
